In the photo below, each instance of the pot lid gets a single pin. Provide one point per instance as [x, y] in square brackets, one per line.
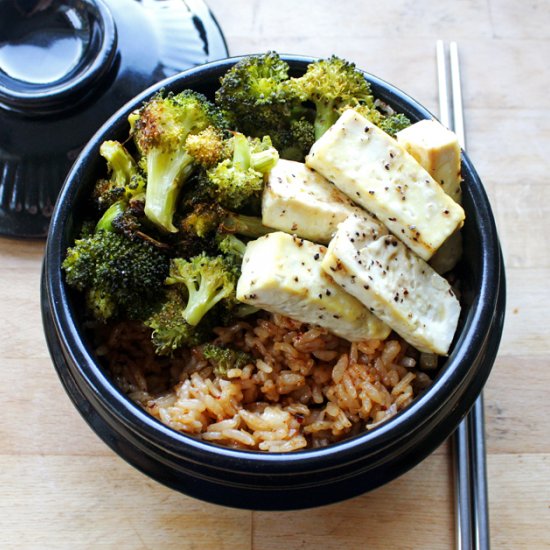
[65, 67]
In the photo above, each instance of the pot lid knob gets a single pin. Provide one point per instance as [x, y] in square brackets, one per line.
[53, 54]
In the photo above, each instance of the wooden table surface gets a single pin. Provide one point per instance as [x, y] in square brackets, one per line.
[60, 486]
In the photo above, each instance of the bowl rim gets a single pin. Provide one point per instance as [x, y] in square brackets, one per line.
[448, 382]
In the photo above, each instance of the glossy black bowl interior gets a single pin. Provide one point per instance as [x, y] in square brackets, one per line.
[252, 479]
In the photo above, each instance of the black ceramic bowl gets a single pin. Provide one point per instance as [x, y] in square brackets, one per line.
[257, 480]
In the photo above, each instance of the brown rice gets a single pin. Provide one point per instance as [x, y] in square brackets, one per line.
[305, 388]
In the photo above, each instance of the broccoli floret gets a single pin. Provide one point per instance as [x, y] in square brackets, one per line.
[118, 275]
[253, 94]
[224, 359]
[208, 147]
[160, 129]
[208, 280]
[170, 331]
[368, 111]
[201, 229]
[383, 116]
[122, 195]
[394, 123]
[331, 84]
[126, 218]
[125, 181]
[128, 222]
[239, 181]
[100, 304]
[233, 186]
[203, 220]
[232, 247]
[206, 218]
[297, 140]
[188, 245]
[196, 191]
[204, 227]
[258, 94]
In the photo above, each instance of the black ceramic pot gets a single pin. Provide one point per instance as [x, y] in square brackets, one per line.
[290, 480]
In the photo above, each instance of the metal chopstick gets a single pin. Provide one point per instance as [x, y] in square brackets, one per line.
[456, 89]
[478, 464]
[460, 440]
[481, 501]
[468, 442]
[443, 85]
[476, 418]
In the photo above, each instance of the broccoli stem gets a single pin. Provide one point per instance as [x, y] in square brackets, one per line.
[237, 246]
[247, 226]
[105, 223]
[324, 117]
[166, 174]
[264, 161]
[120, 162]
[241, 152]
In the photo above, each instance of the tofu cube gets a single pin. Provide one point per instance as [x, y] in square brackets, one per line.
[396, 285]
[374, 171]
[282, 274]
[437, 150]
[298, 200]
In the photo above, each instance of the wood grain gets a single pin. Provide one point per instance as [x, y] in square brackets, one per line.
[372, 520]
[62, 487]
[90, 502]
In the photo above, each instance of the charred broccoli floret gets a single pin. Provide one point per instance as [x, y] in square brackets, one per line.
[203, 220]
[207, 218]
[128, 222]
[208, 147]
[124, 182]
[331, 85]
[120, 276]
[224, 359]
[105, 223]
[202, 228]
[238, 181]
[126, 218]
[160, 129]
[170, 331]
[208, 280]
[122, 195]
